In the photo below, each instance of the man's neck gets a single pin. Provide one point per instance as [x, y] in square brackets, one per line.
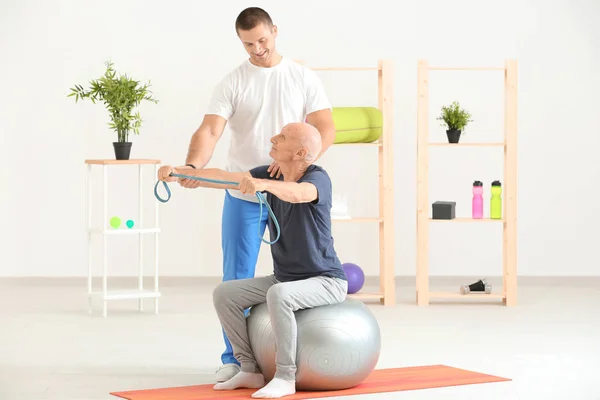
[273, 61]
[293, 171]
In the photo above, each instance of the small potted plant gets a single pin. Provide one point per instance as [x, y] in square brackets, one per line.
[455, 120]
[120, 96]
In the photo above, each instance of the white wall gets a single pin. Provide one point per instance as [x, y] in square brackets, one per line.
[185, 47]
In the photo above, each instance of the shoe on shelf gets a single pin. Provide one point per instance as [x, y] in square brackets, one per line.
[227, 371]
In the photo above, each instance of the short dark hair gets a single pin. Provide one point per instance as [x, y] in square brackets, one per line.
[251, 17]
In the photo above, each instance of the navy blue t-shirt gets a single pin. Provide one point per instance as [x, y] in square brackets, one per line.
[305, 247]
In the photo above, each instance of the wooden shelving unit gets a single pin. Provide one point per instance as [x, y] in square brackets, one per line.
[509, 220]
[387, 286]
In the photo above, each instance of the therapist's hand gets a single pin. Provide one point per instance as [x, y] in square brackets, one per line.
[274, 170]
[187, 182]
[164, 172]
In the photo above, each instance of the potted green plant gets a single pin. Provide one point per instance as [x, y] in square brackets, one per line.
[120, 96]
[455, 120]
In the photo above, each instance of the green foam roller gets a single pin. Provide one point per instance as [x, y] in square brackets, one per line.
[357, 124]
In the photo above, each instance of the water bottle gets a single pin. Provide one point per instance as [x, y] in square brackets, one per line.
[477, 211]
[496, 201]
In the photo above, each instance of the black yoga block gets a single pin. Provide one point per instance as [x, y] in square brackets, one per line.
[444, 210]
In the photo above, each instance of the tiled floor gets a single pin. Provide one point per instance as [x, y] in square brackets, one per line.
[50, 348]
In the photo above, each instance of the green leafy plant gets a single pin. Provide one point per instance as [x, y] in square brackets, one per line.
[454, 117]
[120, 96]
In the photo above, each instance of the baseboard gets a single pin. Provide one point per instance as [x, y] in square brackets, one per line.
[401, 281]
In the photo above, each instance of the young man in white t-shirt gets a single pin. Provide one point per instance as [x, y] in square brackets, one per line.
[257, 99]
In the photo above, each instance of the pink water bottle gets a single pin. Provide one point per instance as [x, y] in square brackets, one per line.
[477, 211]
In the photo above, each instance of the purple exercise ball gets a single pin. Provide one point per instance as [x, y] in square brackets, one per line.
[355, 275]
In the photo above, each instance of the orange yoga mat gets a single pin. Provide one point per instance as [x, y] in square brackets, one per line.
[380, 381]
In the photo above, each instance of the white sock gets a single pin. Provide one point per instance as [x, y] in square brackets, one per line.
[275, 389]
[250, 380]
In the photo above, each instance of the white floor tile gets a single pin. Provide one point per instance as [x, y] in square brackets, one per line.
[50, 348]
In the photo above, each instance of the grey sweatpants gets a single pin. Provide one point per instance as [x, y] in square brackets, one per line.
[231, 298]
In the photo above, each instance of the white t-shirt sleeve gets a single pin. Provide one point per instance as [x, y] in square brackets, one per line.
[316, 98]
[221, 101]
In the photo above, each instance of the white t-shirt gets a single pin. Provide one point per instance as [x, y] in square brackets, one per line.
[258, 102]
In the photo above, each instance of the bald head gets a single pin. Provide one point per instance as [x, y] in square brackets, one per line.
[304, 137]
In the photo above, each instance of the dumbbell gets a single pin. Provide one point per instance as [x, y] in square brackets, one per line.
[479, 286]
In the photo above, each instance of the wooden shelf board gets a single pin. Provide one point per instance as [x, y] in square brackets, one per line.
[484, 144]
[366, 296]
[470, 296]
[357, 219]
[115, 162]
[466, 68]
[377, 144]
[467, 220]
[344, 68]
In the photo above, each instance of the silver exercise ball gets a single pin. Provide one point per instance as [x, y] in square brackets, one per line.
[338, 345]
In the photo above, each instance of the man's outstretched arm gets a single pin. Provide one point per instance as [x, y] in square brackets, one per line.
[208, 173]
[292, 192]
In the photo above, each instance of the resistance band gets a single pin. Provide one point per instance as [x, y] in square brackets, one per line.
[259, 195]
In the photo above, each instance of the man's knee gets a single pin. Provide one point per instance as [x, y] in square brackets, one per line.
[278, 294]
[223, 293]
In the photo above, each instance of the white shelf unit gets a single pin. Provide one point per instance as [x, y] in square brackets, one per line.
[135, 293]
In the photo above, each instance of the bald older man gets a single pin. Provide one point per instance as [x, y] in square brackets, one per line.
[307, 272]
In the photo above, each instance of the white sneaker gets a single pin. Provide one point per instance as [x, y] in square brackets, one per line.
[227, 371]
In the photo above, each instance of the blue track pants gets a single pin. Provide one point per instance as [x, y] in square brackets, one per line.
[240, 243]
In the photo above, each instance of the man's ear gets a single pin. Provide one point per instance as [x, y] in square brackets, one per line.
[274, 30]
[301, 154]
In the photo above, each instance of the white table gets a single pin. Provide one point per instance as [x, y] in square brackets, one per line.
[135, 293]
